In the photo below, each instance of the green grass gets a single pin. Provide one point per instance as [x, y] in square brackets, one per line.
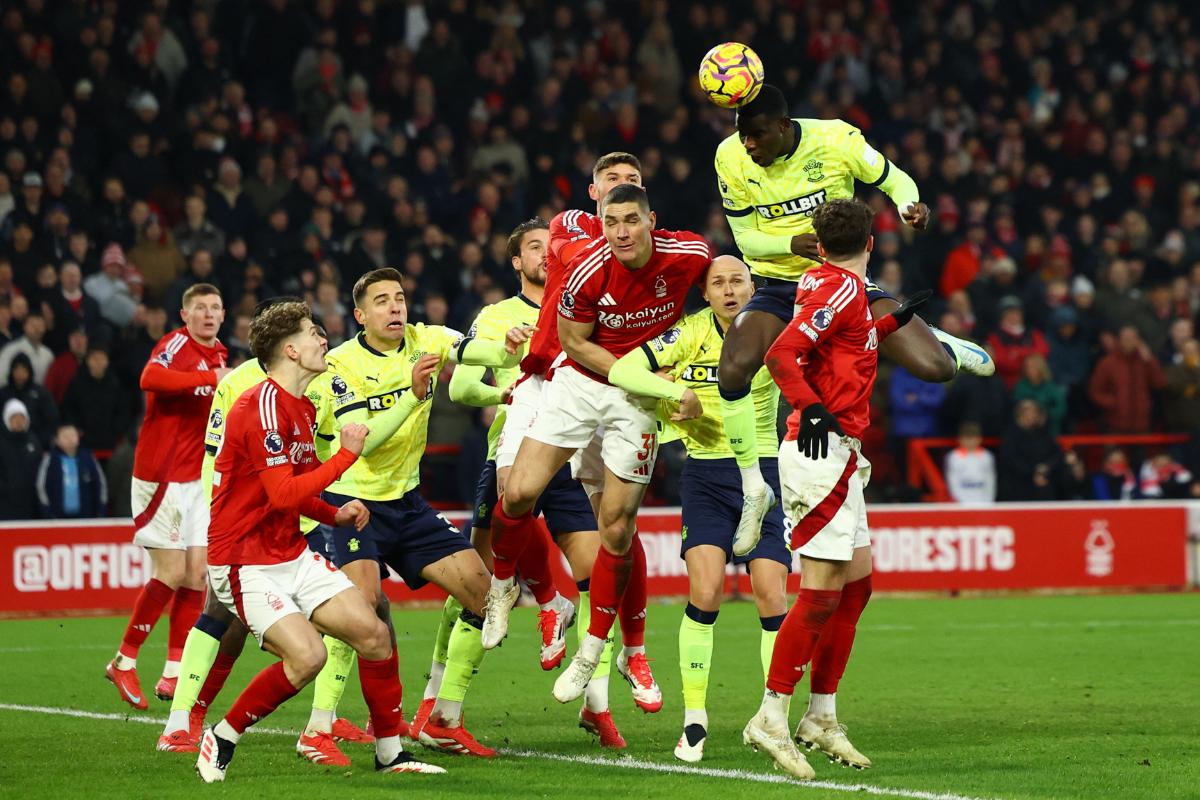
[1016, 697]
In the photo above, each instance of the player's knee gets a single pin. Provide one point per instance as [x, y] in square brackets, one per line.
[171, 574]
[376, 643]
[382, 606]
[617, 535]
[771, 602]
[305, 665]
[707, 598]
[518, 497]
[929, 364]
[736, 370]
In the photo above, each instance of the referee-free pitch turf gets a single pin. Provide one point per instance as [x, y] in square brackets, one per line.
[1010, 697]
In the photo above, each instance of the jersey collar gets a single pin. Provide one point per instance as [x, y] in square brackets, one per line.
[796, 143]
[362, 339]
[527, 301]
[717, 326]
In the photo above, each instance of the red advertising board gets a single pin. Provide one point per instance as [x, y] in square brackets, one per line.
[91, 566]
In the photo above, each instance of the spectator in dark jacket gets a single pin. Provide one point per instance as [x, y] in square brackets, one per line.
[70, 484]
[62, 370]
[1123, 384]
[1013, 342]
[1115, 480]
[1181, 399]
[1029, 457]
[20, 456]
[40, 409]
[97, 403]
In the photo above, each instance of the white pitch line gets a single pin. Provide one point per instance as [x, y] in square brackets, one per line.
[595, 761]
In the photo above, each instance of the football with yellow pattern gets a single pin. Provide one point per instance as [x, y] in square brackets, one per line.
[731, 74]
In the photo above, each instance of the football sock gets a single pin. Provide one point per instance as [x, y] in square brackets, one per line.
[437, 667]
[465, 655]
[384, 694]
[822, 706]
[533, 563]
[215, 681]
[695, 656]
[596, 695]
[837, 639]
[199, 652]
[184, 613]
[695, 716]
[269, 690]
[766, 643]
[798, 638]
[146, 610]
[610, 576]
[510, 535]
[387, 748]
[632, 609]
[330, 684]
[741, 430]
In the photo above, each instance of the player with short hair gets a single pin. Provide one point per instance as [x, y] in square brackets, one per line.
[710, 491]
[621, 290]
[564, 505]
[570, 231]
[216, 640]
[170, 516]
[388, 371]
[825, 364]
[772, 175]
[267, 475]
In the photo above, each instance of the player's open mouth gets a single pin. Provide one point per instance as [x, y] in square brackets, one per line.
[395, 325]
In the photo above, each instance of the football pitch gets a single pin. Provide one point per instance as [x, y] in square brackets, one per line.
[1007, 697]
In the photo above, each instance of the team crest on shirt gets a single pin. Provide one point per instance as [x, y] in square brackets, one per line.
[273, 443]
[813, 170]
[660, 287]
[822, 318]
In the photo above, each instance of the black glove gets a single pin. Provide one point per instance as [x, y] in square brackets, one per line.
[815, 424]
[905, 311]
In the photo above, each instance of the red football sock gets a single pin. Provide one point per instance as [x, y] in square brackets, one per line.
[510, 536]
[610, 576]
[798, 637]
[633, 602]
[534, 565]
[184, 613]
[833, 648]
[268, 691]
[146, 610]
[382, 690]
[215, 680]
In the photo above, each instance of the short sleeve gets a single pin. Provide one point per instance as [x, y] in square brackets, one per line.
[735, 197]
[862, 160]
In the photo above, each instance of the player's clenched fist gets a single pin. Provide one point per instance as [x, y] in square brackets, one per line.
[353, 436]
[423, 370]
[352, 513]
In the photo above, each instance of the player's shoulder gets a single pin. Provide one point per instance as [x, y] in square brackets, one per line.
[731, 151]
[683, 243]
[427, 338]
[699, 322]
[170, 346]
[829, 132]
[243, 376]
[573, 221]
[836, 287]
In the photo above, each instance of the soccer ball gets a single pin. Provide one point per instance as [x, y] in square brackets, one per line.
[731, 74]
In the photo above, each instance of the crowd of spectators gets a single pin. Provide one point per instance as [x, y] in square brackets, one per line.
[279, 146]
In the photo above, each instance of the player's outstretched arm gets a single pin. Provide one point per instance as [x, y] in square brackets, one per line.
[485, 353]
[635, 373]
[467, 386]
[157, 378]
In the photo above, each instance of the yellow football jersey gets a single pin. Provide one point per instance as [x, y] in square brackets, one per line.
[493, 324]
[828, 157]
[361, 377]
[692, 349]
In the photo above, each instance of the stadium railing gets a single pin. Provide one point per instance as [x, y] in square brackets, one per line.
[925, 473]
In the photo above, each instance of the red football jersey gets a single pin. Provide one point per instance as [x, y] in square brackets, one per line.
[567, 228]
[632, 306]
[178, 381]
[829, 352]
[256, 503]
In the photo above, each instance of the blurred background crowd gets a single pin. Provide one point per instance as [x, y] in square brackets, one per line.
[279, 146]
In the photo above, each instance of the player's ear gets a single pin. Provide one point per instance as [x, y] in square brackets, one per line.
[359, 317]
[592, 193]
[653, 220]
[870, 243]
[821, 250]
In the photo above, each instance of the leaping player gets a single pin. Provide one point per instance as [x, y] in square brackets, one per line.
[772, 175]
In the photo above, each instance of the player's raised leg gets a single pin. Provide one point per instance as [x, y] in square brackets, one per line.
[746, 342]
[513, 525]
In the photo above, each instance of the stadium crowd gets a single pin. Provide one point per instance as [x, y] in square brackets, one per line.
[280, 147]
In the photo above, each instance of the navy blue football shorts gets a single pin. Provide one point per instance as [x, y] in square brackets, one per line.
[711, 493]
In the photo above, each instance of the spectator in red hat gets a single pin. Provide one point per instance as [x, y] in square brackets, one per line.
[1013, 342]
[111, 289]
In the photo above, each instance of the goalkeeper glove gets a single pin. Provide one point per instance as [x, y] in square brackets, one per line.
[815, 424]
[905, 311]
